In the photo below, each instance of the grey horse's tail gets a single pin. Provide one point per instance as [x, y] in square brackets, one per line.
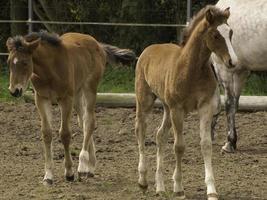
[116, 55]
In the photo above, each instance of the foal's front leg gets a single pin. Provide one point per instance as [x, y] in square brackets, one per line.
[44, 109]
[65, 135]
[206, 113]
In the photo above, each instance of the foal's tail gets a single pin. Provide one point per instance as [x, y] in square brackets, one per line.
[116, 55]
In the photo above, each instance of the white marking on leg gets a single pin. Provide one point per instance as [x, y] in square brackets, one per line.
[206, 112]
[83, 161]
[92, 157]
[88, 128]
[48, 174]
[177, 116]
[140, 126]
[142, 169]
[44, 108]
[161, 143]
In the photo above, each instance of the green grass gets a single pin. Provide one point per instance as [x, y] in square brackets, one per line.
[121, 80]
[118, 80]
[256, 85]
[4, 93]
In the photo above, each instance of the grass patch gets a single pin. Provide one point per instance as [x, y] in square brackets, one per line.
[118, 80]
[4, 93]
[256, 85]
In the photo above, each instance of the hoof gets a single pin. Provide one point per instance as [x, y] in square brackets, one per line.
[48, 182]
[179, 195]
[143, 187]
[85, 175]
[70, 178]
[161, 194]
[213, 196]
[90, 175]
[228, 148]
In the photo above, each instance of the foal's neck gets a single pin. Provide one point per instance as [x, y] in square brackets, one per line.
[196, 49]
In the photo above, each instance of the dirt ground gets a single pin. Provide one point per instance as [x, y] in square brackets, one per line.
[239, 176]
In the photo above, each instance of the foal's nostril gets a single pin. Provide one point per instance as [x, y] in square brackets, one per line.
[230, 63]
[20, 92]
[17, 93]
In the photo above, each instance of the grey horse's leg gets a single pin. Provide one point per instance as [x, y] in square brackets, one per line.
[230, 109]
[232, 95]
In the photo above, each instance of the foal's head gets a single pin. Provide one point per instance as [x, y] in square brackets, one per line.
[215, 42]
[20, 63]
[207, 21]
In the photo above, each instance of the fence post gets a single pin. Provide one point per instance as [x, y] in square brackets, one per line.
[30, 15]
[189, 11]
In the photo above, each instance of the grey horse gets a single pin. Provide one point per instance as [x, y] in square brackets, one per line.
[248, 35]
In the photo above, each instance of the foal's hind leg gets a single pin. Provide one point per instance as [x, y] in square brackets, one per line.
[177, 118]
[162, 136]
[87, 158]
[206, 113]
[65, 134]
[44, 109]
[144, 103]
[78, 106]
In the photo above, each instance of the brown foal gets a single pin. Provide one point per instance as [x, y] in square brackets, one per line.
[182, 78]
[65, 69]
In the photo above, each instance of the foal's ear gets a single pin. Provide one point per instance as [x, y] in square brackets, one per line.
[10, 44]
[31, 46]
[226, 12]
[210, 16]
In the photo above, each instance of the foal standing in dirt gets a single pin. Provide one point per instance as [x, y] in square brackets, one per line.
[66, 69]
[182, 78]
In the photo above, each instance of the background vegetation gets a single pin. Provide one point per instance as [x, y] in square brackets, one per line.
[118, 79]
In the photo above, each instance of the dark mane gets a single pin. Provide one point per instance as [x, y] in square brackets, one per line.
[17, 41]
[51, 38]
[194, 22]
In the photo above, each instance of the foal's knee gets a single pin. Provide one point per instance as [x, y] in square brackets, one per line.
[206, 145]
[139, 124]
[89, 121]
[65, 136]
[47, 135]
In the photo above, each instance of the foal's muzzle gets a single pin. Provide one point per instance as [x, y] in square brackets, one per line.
[17, 93]
[229, 63]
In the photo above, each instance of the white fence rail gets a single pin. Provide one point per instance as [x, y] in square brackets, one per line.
[127, 100]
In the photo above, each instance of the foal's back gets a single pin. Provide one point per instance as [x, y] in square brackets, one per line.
[85, 56]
